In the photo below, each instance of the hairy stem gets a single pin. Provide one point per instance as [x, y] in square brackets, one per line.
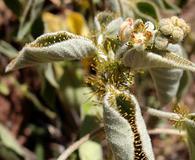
[169, 116]
[166, 131]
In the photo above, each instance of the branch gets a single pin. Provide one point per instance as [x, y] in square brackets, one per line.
[163, 114]
[166, 131]
[169, 116]
[77, 144]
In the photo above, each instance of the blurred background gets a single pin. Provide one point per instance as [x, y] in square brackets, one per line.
[46, 108]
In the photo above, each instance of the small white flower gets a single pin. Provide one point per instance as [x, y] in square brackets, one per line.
[138, 34]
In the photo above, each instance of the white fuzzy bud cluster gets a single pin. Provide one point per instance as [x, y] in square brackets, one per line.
[174, 27]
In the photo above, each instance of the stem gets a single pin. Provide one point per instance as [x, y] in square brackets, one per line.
[92, 8]
[166, 131]
[120, 7]
[77, 144]
[162, 114]
[169, 116]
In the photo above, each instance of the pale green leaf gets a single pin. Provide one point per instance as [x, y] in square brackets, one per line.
[7, 49]
[9, 141]
[184, 85]
[124, 125]
[130, 109]
[113, 27]
[167, 80]
[4, 89]
[29, 16]
[90, 150]
[190, 128]
[148, 60]
[166, 83]
[52, 47]
[50, 75]
[118, 132]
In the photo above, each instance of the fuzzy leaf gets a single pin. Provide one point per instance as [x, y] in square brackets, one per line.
[148, 60]
[52, 47]
[126, 128]
[130, 109]
[118, 132]
[190, 128]
[166, 83]
[185, 82]
[167, 80]
[113, 27]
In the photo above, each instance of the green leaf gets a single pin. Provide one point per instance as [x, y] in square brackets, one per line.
[147, 10]
[90, 150]
[190, 128]
[7, 49]
[9, 141]
[4, 89]
[169, 6]
[15, 6]
[53, 47]
[30, 15]
[50, 75]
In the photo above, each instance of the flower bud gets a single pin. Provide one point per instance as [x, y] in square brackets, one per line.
[161, 42]
[177, 34]
[166, 26]
[125, 29]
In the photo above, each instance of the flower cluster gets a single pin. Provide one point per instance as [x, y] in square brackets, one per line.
[174, 27]
[138, 34]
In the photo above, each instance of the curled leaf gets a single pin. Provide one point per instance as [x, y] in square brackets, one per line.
[118, 132]
[130, 109]
[52, 47]
[125, 128]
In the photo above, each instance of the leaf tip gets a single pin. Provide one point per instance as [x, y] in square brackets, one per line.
[10, 66]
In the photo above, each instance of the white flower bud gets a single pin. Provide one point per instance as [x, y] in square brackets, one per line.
[125, 29]
[160, 42]
[166, 26]
[177, 34]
